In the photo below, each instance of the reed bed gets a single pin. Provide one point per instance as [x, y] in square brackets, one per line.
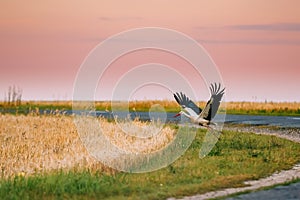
[146, 105]
[267, 107]
[242, 107]
[34, 144]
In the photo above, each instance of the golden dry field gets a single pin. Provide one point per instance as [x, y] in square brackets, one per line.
[42, 143]
[266, 107]
[168, 103]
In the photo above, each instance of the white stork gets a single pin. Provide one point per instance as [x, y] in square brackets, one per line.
[196, 114]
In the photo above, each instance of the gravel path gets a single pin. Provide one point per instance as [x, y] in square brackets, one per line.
[291, 192]
[281, 192]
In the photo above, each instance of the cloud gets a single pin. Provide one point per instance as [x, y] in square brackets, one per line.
[251, 41]
[119, 18]
[247, 39]
[267, 27]
[244, 41]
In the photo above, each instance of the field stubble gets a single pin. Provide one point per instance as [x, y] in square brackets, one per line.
[36, 144]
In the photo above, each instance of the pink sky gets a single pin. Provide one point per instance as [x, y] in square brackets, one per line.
[255, 44]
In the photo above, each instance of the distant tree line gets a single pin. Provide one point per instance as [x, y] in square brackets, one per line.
[13, 96]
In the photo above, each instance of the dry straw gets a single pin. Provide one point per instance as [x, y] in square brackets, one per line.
[42, 143]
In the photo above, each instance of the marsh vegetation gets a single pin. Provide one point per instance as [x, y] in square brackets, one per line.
[246, 108]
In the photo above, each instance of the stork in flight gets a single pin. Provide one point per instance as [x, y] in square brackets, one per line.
[196, 114]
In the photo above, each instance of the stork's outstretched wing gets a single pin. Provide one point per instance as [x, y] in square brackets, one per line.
[184, 101]
[213, 104]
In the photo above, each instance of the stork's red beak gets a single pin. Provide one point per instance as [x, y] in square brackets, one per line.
[177, 115]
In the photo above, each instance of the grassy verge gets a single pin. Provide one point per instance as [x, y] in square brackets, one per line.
[235, 158]
[243, 108]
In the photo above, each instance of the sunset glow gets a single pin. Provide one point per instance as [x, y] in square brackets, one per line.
[255, 44]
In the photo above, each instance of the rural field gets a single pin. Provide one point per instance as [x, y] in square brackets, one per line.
[253, 108]
[42, 156]
[148, 100]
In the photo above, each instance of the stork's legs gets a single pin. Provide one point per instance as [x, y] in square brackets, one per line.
[213, 130]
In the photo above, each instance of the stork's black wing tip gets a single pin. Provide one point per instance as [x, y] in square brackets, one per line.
[176, 96]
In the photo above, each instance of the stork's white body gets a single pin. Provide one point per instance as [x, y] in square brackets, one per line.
[196, 119]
